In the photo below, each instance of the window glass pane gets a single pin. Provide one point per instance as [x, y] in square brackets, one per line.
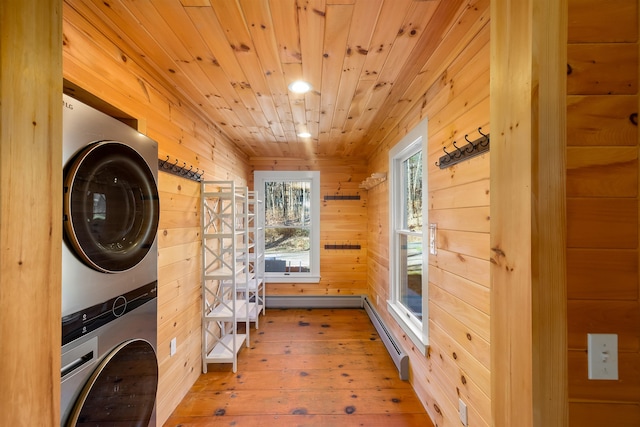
[412, 192]
[287, 203]
[287, 250]
[410, 261]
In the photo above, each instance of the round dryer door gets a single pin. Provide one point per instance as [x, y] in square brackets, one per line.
[111, 206]
[122, 390]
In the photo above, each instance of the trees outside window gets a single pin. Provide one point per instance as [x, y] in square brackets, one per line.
[410, 234]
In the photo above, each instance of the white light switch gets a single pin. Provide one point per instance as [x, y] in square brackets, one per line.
[462, 412]
[603, 356]
[432, 238]
[172, 347]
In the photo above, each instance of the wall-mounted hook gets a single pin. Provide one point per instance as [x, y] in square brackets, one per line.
[161, 163]
[459, 152]
[470, 146]
[447, 154]
[486, 138]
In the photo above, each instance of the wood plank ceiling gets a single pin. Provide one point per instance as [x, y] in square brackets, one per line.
[234, 59]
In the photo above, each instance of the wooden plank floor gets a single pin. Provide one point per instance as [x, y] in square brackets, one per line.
[319, 367]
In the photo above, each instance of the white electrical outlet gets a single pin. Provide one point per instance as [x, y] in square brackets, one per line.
[462, 411]
[603, 356]
[172, 347]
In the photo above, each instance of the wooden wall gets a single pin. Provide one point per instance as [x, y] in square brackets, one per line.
[456, 102]
[343, 272]
[96, 59]
[602, 206]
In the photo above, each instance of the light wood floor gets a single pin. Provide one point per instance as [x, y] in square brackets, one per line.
[317, 367]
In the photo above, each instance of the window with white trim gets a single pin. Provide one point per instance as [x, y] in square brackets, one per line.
[291, 201]
[408, 262]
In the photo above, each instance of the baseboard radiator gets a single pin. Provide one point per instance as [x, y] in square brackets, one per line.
[314, 301]
[400, 358]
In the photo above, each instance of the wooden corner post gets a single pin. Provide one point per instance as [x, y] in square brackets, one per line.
[30, 211]
[528, 220]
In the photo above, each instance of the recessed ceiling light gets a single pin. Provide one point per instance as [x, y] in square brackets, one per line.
[304, 135]
[299, 86]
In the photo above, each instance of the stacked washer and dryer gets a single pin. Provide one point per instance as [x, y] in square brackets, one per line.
[109, 372]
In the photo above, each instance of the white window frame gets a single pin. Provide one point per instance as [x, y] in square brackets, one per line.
[417, 330]
[313, 276]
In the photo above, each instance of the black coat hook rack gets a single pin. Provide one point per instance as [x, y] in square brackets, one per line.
[342, 197]
[343, 246]
[175, 169]
[471, 149]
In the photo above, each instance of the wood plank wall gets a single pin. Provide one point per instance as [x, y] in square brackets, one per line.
[456, 102]
[602, 206]
[343, 272]
[96, 59]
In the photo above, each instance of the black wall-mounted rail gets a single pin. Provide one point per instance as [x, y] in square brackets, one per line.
[472, 149]
[174, 169]
[342, 246]
[342, 197]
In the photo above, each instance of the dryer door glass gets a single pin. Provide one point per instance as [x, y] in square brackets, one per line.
[111, 206]
[122, 390]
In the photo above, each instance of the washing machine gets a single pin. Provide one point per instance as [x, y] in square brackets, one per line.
[109, 270]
